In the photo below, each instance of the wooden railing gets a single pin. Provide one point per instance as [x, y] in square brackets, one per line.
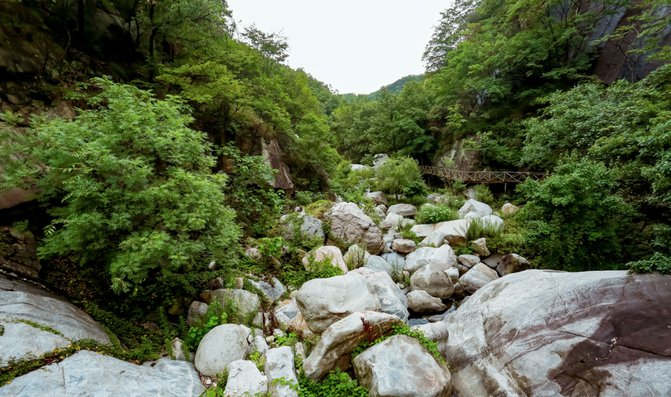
[486, 177]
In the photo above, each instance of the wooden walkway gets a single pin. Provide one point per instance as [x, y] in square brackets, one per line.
[485, 177]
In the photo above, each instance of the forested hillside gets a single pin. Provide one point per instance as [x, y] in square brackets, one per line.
[165, 171]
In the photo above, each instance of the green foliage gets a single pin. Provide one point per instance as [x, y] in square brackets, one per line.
[138, 200]
[335, 384]
[296, 275]
[574, 218]
[350, 184]
[404, 329]
[483, 194]
[477, 229]
[289, 339]
[658, 262]
[319, 208]
[430, 213]
[39, 326]
[400, 176]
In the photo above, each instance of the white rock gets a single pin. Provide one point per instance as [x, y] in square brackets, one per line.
[325, 301]
[280, 366]
[442, 257]
[512, 263]
[480, 247]
[405, 210]
[421, 302]
[474, 206]
[434, 280]
[350, 225]
[244, 380]
[396, 261]
[468, 260]
[337, 343]
[492, 221]
[391, 298]
[478, 277]
[455, 231]
[434, 239]
[326, 253]
[400, 366]
[391, 221]
[221, 346]
[509, 209]
[377, 263]
[403, 246]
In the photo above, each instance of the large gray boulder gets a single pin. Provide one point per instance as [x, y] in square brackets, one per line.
[378, 264]
[401, 366]
[476, 208]
[328, 253]
[405, 210]
[281, 373]
[247, 304]
[36, 322]
[392, 300]
[442, 258]
[434, 280]
[244, 380]
[421, 302]
[87, 373]
[512, 263]
[302, 226]
[271, 291]
[337, 343]
[455, 232]
[547, 333]
[350, 225]
[323, 301]
[221, 346]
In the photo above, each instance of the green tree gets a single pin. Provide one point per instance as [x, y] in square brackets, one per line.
[399, 176]
[131, 191]
[574, 218]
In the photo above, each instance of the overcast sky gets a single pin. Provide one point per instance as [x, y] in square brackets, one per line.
[356, 46]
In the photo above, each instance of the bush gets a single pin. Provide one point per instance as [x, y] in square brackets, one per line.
[430, 213]
[400, 176]
[335, 384]
[658, 262]
[131, 189]
[477, 229]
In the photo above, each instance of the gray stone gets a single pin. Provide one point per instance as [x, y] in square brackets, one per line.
[468, 260]
[179, 351]
[477, 277]
[392, 299]
[405, 210]
[245, 380]
[246, 303]
[396, 261]
[326, 300]
[253, 253]
[547, 333]
[87, 373]
[475, 207]
[355, 256]
[491, 222]
[512, 263]
[221, 346]
[377, 263]
[197, 313]
[302, 226]
[337, 343]
[281, 373]
[442, 258]
[28, 317]
[351, 225]
[509, 209]
[480, 247]
[391, 221]
[434, 280]
[327, 252]
[421, 302]
[436, 332]
[435, 239]
[285, 313]
[377, 197]
[270, 291]
[493, 260]
[400, 366]
[414, 322]
[403, 246]
[455, 231]
[259, 343]
[359, 167]
[379, 159]
[453, 274]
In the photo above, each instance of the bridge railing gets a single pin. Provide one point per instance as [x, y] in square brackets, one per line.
[486, 177]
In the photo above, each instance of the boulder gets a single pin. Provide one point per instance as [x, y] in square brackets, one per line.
[401, 366]
[512, 263]
[197, 313]
[435, 239]
[221, 346]
[434, 280]
[245, 379]
[377, 197]
[35, 322]
[491, 222]
[355, 256]
[442, 258]
[350, 225]
[286, 313]
[437, 332]
[324, 301]
[468, 260]
[479, 246]
[421, 302]
[281, 373]
[272, 291]
[337, 343]
[87, 373]
[247, 304]
[509, 209]
[549, 333]
[455, 231]
[302, 226]
[377, 263]
[477, 277]
[327, 252]
[405, 210]
[493, 260]
[259, 343]
[391, 298]
[403, 246]
[396, 261]
[475, 207]
[359, 167]
[453, 274]
[379, 159]
[391, 221]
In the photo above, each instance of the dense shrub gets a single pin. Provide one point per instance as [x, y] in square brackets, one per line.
[400, 176]
[430, 213]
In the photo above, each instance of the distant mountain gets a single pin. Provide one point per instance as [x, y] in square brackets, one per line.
[398, 85]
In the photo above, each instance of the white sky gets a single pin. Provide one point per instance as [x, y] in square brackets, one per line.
[356, 46]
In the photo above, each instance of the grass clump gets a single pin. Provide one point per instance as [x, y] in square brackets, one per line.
[335, 384]
[478, 229]
[431, 213]
[404, 329]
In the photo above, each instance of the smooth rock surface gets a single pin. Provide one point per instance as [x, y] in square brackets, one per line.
[442, 258]
[391, 221]
[435, 239]
[391, 298]
[326, 253]
[400, 366]
[324, 301]
[87, 373]
[421, 302]
[468, 260]
[221, 346]
[351, 225]
[455, 231]
[405, 210]
[271, 291]
[548, 333]
[475, 207]
[512, 263]
[491, 221]
[337, 343]
[480, 247]
[434, 280]
[477, 277]
[245, 380]
[302, 226]
[378, 264]
[246, 303]
[280, 365]
[403, 246]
